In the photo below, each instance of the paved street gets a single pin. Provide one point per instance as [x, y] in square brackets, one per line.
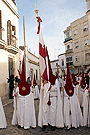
[13, 130]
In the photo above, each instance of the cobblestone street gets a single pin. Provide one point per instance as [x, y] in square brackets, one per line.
[13, 130]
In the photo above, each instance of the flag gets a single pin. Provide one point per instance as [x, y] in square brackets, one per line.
[44, 61]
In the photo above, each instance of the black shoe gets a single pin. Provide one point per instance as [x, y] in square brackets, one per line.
[44, 127]
[53, 128]
[19, 126]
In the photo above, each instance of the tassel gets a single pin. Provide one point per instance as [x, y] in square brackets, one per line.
[49, 102]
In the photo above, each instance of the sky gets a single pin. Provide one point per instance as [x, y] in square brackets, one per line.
[56, 16]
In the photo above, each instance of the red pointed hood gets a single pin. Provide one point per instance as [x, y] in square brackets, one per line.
[52, 78]
[24, 87]
[74, 78]
[68, 86]
[83, 83]
[34, 81]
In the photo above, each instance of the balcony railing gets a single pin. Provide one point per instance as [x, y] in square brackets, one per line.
[14, 41]
[2, 34]
[70, 63]
[69, 51]
[68, 39]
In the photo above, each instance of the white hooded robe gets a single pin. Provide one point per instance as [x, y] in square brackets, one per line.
[24, 111]
[86, 108]
[72, 111]
[3, 122]
[50, 114]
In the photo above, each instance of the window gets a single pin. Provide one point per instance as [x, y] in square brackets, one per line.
[70, 58]
[75, 32]
[85, 28]
[71, 63]
[56, 64]
[8, 32]
[62, 62]
[13, 30]
[68, 47]
[76, 45]
[76, 58]
[67, 34]
[87, 56]
[67, 59]
[31, 74]
[86, 42]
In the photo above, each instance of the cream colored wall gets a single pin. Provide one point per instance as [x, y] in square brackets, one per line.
[7, 14]
[3, 66]
[33, 66]
[80, 37]
[4, 73]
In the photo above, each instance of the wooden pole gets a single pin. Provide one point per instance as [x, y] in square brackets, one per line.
[88, 114]
[63, 90]
[24, 43]
[79, 92]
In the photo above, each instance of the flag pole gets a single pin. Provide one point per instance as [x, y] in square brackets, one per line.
[63, 90]
[24, 43]
[79, 92]
[36, 11]
[88, 102]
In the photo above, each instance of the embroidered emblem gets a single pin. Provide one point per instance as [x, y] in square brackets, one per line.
[23, 88]
[70, 91]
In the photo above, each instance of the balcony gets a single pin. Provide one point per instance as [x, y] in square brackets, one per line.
[14, 41]
[69, 51]
[12, 48]
[70, 63]
[68, 39]
[2, 38]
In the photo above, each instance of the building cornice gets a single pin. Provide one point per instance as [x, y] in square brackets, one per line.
[33, 55]
[68, 28]
[33, 62]
[88, 12]
[9, 6]
[54, 61]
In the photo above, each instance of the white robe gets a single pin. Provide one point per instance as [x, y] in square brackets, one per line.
[71, 104]
[76, 90]
[50, 114]
[86, 108]
[82, 91]
[24, 111]
[3, 122]
[36, 92]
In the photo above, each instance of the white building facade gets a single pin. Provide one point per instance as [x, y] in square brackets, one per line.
[9, 57]
[62, 63]
[54, 65]
[32, 65]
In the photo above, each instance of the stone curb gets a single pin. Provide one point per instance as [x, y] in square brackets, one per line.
[8, 103]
